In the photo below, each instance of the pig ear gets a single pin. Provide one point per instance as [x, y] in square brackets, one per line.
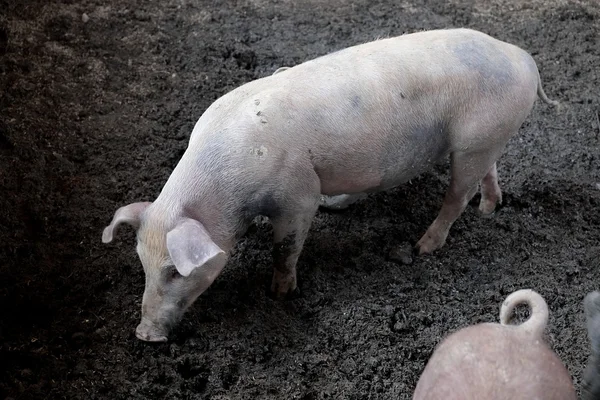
[129, 214]
[190, 246]
[592, 316]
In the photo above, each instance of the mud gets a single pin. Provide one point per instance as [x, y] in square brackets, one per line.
[97, 102]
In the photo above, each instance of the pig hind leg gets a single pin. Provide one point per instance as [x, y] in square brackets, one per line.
[467, 170]
[491, 195]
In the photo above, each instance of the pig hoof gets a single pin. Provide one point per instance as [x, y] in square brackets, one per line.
[428, 244]
[487, 209]
[421, 250]
[487, 214]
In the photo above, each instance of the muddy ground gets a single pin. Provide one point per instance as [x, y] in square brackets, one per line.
[96, 110]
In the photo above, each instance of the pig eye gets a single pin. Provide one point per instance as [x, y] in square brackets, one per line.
[172, 273]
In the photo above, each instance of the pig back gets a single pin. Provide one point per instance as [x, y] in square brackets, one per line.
[373, 116]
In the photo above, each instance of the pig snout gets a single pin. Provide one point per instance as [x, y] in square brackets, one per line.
[150, 332]
[159, 314]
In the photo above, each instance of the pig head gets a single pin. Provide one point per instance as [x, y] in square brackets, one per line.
[498, 361]
[591, 378]
[179, 258]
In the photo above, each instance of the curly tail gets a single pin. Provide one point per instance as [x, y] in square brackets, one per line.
[542, 95]
[538, 319]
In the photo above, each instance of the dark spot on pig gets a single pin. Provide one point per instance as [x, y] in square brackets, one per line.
[402, 95]
[264, 204]
[171, 273]
[318, 118]
[494, 68]
[356, 101]
[433, 137]
[413, 150]
[258, 113]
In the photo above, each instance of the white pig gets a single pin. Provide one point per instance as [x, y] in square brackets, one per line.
[363, 119]
[591, 377]
[498, 361]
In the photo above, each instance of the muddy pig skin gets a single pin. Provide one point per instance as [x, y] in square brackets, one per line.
[498, 361]
[359, 120]
[591, 377]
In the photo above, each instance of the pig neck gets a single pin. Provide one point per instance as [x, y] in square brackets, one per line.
[192, 195]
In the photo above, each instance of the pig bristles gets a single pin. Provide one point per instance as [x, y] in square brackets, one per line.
[538, 317]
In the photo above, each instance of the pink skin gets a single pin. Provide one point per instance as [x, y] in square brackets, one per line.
[325, 132]
[591, 377]
[498, 361]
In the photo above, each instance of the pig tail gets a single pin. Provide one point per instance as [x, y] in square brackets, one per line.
[538, 317]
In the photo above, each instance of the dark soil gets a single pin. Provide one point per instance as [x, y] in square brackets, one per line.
[95, 112]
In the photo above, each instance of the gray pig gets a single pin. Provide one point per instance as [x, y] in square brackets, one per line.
[359, 120]
[498, 361]
[591, 377]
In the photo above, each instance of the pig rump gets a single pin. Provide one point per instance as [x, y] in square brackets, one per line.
[498, 361]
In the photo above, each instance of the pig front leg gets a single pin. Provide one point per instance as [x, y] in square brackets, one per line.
[299, 198]
[289, 234]
[467, 169]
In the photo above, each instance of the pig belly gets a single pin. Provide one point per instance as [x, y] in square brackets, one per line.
[398, 157]
[364, 173]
